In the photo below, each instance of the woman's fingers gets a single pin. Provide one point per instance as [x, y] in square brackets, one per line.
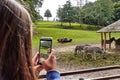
[35, 58]
[52, 55]
[38, 67]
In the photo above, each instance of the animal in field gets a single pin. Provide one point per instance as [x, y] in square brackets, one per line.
[109, 41]
[117, 43]
[93, 51]
[79, 48]
[64, 40]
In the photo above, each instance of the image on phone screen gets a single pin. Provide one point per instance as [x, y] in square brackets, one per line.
[45, 46]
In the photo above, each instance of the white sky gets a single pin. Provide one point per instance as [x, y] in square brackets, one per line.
[53, 5]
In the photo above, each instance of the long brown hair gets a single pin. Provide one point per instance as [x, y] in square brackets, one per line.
[15, 42]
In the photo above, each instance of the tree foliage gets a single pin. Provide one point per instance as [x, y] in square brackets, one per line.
[68, 13]
[116, 11]
[33, 7]
[115, 0]
[98, 13]
[47, 14]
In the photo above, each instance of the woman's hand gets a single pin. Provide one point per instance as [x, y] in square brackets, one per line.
[50, 63]
[36, 66]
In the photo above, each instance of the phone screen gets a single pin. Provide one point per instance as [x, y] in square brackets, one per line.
[45, 46]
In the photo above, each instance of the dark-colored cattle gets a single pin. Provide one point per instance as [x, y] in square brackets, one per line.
[117, 43]
[64, 40]
[109, 41]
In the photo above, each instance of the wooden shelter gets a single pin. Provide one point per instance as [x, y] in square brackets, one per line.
[114, 27]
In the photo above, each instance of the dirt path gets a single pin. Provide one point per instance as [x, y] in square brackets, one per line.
[70, 48]
[65, 49]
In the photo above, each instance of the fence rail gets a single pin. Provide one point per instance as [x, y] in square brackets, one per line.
[89, 71]
[106, 77]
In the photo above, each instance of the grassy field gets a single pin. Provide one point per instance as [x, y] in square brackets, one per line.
[70, 59]
[77, 33]
[80, 35]
[66, 26]
[53, 29]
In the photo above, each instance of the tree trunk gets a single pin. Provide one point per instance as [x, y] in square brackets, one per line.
[47, 18]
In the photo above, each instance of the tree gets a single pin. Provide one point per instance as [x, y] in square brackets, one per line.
[47, 14]
[115, 0]
[116, 11]
[68, 13]
[32, 6]
[98, 13]
[67, 8]
[80, 4]
[60, 14]
[105, 12]
[87, 13]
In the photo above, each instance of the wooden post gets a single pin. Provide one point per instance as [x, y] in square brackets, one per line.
[105, 40]
[109, 39]
[102, 42]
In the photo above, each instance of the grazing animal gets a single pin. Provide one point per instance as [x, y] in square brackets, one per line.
[109, 41]
[64, 40]
[117, 43]
[79, 48]
[93, 51]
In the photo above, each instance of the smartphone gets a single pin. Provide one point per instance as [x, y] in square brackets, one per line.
[45, 46]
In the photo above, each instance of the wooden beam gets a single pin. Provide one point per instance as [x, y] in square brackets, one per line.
[102, 40]
[109, 39]
[105, 40]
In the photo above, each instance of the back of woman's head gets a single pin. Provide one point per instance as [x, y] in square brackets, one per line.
[15, 42]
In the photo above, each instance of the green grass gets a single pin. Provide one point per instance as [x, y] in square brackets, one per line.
[78, 36]
[66, 26]
[53, 29]
[69, 58]
[46, 24]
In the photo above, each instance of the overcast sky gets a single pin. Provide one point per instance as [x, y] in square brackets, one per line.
[53, 5]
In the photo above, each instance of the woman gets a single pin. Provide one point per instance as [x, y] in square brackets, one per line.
[15, 45]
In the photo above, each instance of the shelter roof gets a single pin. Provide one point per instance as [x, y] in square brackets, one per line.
[114, 27]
